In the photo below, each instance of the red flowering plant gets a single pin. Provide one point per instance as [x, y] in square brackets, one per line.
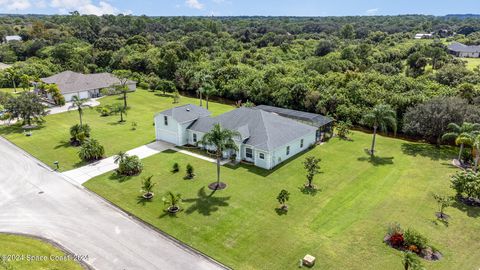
[394, 236]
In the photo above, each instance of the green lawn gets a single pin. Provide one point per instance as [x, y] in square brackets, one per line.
[23, 245]
[50, 142]
[343, 225]
[472, 62]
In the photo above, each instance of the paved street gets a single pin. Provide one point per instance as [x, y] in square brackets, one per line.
[36, 201]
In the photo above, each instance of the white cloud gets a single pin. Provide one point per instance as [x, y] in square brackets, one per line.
[218, 1]
[84, 7]
[12, 5]
[194, 4]
[372, 11]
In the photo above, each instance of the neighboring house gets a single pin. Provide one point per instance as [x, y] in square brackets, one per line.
[266, 139]
[12, 38]
[4, 66]
[423, 35]
[461, 50]
[84, 85]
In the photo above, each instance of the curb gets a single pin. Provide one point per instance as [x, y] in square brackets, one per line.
[147, 225]
[82, 263]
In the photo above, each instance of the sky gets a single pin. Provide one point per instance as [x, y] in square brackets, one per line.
[242, 7]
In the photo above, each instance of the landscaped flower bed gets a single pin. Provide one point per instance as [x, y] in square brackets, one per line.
[411, 240]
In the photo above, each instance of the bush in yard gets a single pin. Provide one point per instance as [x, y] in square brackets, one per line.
[466, 184]
[91, 150]
[128, 165]
[190, 171]
[414, 238]
[395, 236]
[343, 129]
[104, 111]
[175, 168]
[79, 133]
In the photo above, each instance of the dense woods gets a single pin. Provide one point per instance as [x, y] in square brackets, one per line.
[338, 66]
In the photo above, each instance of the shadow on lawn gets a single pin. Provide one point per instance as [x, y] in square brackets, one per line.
[471, 211]
[427, 150]
[17, 128]
[63, 144]
[377, 161]
[206, 204]
[309, 191]
[141, 200]
[118, 177]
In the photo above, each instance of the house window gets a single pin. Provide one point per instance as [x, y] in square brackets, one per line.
[288, 150]
[194, 137]
[261, 156]
[248, 153]
[165, 120]
[301, 143]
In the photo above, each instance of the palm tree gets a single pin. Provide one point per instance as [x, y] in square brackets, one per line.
[172, 200]
[463, 134]
[476, 144]
[120, 157]
[79, 104]
[121, 109]
[381, 117]
[222, 140]
[123, 76]
[208, 89]
[147, 187]
[12, 75]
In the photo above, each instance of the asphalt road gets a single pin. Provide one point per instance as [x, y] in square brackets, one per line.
[35, 200]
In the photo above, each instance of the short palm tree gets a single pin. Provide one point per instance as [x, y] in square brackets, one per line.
[79, 104]
[120, 157]
[172, 200]
[222, 140]
[463, 135]
[120, 109]
[381, 117]
[208, 90]
[147, 187]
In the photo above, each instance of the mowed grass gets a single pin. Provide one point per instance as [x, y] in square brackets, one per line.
[342, 225]
[24, 245]
[472, 62]
[50, 142]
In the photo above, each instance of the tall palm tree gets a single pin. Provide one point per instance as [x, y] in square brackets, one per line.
[208, 90]
[380, 117]
[222, 140]
[463, 135]
[79, 104]
[476, 144]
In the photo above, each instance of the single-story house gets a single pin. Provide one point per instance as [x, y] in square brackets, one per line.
[12, 38]
[423, 35]
[84, 85]
[461, 50]
[4, 66]
[266, 139]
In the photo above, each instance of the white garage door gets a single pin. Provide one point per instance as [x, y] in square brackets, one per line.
[168, 136]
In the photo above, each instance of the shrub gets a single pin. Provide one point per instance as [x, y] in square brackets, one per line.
[175, 168]
[413, 237]
[104, 111]
[130, 165]
[79, 133]
[466, 183]
[343, 129]
[91, 150]
[190, 171]
[396, 240]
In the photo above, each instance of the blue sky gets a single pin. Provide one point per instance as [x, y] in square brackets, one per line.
[242, 7]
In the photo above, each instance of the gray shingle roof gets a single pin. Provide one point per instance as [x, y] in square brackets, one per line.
[314, 119]
[186, 113]
[73, 82]
[261, 129]
[459, 47]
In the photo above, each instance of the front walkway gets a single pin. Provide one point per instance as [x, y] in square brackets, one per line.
[186, 152]
[87, 172]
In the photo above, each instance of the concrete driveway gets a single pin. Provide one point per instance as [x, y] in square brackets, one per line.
[35, 200]
[60, 109]
[87, 172]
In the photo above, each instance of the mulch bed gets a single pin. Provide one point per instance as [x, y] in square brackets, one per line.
[219, 186]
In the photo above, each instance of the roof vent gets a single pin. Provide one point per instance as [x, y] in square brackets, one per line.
[188, 109]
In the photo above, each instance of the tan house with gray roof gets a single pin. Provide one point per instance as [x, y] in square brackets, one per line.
[84, 85]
